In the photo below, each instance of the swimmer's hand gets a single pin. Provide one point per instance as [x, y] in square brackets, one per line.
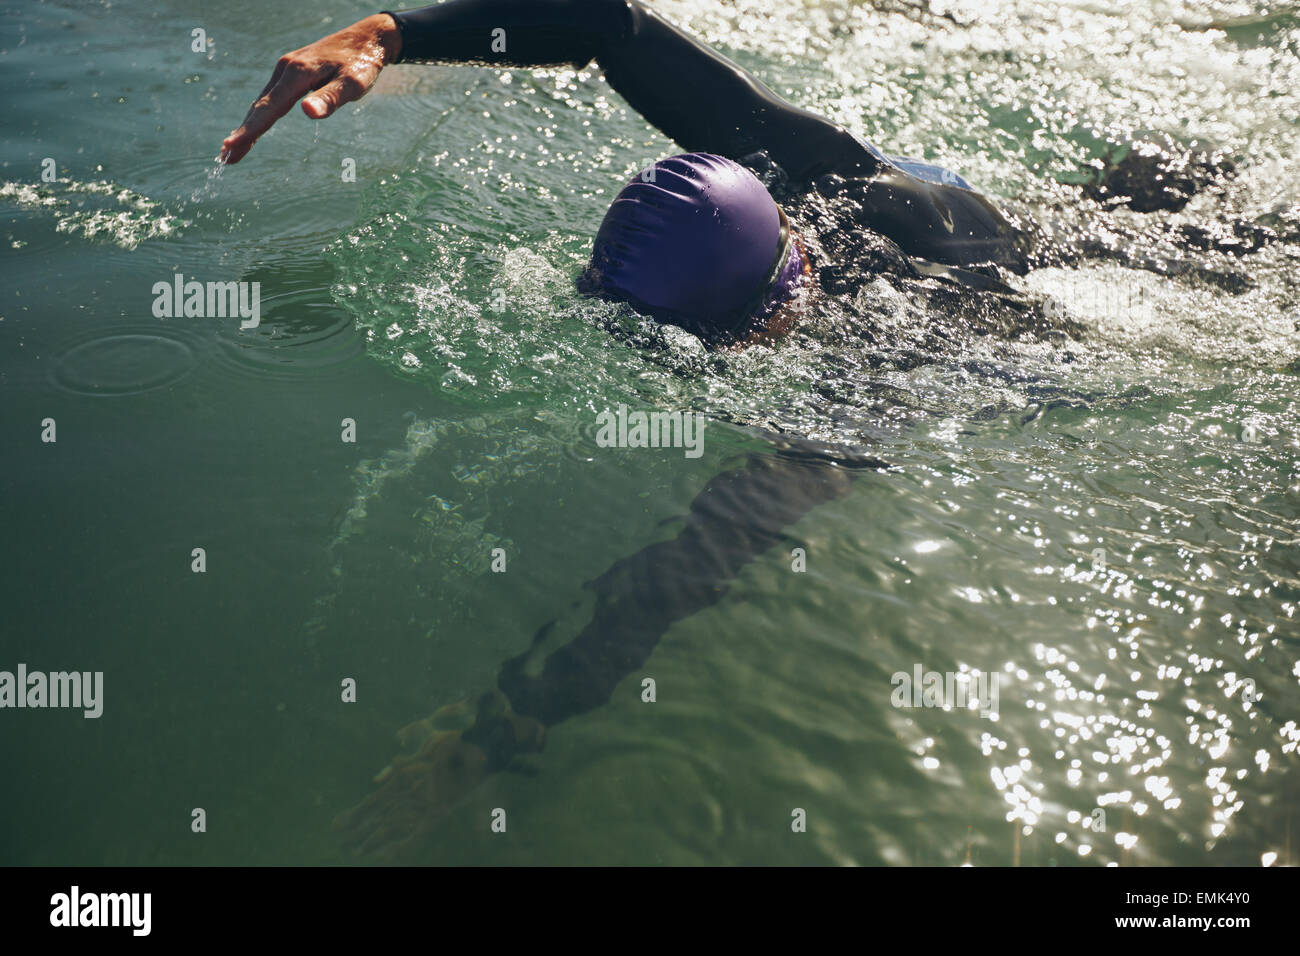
[337, 69]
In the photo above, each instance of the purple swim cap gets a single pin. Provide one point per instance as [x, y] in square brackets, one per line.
[697, 241]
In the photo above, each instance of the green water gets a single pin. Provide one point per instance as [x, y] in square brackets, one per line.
[431, 301]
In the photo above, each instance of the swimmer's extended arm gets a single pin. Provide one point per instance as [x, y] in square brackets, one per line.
[706, 103]
[693, 94]
[690, 92]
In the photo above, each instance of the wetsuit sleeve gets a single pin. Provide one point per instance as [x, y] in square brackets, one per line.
[696, 96]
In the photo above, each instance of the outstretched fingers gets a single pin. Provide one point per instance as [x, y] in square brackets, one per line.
[336, 69]
[289, 83]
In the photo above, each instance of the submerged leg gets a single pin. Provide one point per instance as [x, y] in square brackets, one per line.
[740, 514]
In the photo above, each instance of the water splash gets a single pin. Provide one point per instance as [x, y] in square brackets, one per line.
[212, 182]
[96, 210]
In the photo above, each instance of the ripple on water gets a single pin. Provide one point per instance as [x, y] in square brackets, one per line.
[300, 332]
[123, 363]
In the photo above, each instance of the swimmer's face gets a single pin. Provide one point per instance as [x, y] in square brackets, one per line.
[785, 318]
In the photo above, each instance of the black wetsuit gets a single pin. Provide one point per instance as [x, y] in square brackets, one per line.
[706, 103]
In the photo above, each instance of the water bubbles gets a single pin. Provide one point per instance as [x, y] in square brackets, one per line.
[211, 183]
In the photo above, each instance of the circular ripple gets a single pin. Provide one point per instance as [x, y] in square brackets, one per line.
[300, 332]
[123, 364]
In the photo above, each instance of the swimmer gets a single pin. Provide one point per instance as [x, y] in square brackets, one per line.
[696, 240]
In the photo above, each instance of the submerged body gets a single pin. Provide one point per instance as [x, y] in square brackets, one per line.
[575, 666]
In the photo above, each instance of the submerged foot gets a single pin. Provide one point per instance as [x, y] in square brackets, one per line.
[441, 766]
